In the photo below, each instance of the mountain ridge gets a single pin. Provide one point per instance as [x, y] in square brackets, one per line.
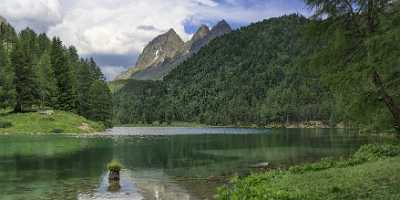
[2, 20]
[152, 66]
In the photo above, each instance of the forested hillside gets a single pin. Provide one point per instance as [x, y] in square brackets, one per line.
[37, 73]
[283, 70]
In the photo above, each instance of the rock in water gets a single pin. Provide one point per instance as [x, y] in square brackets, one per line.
[113, 176]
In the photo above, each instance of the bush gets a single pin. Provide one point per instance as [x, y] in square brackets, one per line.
[375, 152]
[5, 124]
[57, 130]
[114, 166]
[288, 184]
[369, 152]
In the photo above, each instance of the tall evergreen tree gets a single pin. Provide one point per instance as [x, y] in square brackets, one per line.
[100, 103]
[84, 82]
[46, 81]
[360, 20]
[21, 59]
[3, 65]
[43, 43]
[63, 73]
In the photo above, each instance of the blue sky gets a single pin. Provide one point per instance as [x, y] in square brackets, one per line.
[114, 32]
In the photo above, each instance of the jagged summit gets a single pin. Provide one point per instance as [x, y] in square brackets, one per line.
[220, 29]
[168, 50]
[202, 32]
[222, 26]
[2, 20]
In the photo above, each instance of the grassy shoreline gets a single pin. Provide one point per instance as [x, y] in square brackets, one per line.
[371, 173]
[36, 123]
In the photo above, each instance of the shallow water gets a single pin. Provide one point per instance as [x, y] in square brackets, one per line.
[159, 163]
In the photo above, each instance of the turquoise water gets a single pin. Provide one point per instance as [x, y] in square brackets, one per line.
[159, 163]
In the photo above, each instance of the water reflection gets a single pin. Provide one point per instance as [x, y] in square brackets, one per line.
[184, 165]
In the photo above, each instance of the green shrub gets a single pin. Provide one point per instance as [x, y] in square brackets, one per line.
[57, 130]
[369, 152]
[114, 166]
[374, 152]
[298, 182]
[5, 124]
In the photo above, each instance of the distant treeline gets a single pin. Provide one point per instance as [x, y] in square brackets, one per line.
[39, 73]
[282, 70]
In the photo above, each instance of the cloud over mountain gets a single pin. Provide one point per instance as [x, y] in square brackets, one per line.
[124, 27]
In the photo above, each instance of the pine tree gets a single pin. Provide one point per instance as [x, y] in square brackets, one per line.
[84, 82]
[46, 81]
[65, 91]
[100, 103]
[3, 65]
[95, 70]
[21, 59]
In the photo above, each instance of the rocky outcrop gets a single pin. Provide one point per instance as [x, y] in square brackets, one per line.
[167, 51]
[218, 30]
[2, 20]
[159, 50]
[201, 33]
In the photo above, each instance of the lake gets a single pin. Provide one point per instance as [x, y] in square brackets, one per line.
[159, 163]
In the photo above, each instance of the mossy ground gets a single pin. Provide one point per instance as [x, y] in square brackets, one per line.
[369, 174]
[58, 122]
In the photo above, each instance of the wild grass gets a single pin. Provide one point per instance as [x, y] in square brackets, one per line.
[371, 173]
[39, 123]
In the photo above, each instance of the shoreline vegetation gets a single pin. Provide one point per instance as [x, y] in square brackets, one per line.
[277, 125]
[370, 173]
[47, 122]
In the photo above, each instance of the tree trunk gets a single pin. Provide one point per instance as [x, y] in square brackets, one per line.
[389, 101]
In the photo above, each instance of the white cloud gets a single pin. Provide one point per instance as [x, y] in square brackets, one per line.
[38, 14]
[116, 26]
[124, 27]
[103, 27]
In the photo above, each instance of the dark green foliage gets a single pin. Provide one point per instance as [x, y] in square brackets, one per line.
[47, 81]
[66, 99]
[57, 130]
[36, 72]
[140, 102]
[100, 104]
[84, 81]
[5, 124]
[8, 39]
[287, 70]
[254, 75]
[25, 85]
[362, 56]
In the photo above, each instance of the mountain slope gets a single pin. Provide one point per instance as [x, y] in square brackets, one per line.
[246, 77]
[283, 71]
[2, 20]
[160, 56]
[160, 49]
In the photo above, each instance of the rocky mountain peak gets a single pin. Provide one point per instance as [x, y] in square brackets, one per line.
[202, 32]
[2, 20]
[221, 27]
[168, 50]
[162, 47]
